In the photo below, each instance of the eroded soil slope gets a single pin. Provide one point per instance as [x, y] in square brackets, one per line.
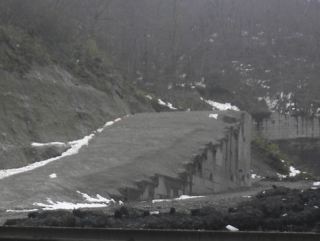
[48, 104]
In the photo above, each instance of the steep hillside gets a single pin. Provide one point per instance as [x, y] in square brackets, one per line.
[48, 104]
[66, 67]
[258, 55]
[48, 95]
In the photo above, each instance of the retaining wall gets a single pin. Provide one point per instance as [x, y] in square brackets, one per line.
[217, 168]
[278, 126]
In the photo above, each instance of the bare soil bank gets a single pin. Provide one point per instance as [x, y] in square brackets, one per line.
[49, 104]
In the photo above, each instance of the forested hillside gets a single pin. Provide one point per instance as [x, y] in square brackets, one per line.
[249, 52]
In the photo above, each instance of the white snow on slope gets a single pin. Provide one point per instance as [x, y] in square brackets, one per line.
[316, 184]
[274, 101]
[255, 176]
[51, 205]
[294, 172]
[220, 106]
[161, 102]
[21, 210]
[215, 116]
[35, 144]
[90, 202]
[281, 176]
[149, 97]
[53, 175]
[231, 228]
[99, 198]
[74, 149]
[182, 197]
[200, 83]
[271, 103]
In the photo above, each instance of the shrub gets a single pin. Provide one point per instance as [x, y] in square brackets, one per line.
[275, 158]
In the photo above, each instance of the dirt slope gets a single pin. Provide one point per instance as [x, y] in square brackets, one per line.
[48, 104]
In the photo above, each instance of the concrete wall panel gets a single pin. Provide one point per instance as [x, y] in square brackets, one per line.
[217, 168]
[279, 127]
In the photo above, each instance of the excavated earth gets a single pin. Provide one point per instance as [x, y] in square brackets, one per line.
[45, 105]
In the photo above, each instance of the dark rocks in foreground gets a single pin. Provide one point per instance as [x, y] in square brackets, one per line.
[278, 209]
[122, 218]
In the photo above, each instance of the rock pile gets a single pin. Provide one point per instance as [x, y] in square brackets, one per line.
[277, 209]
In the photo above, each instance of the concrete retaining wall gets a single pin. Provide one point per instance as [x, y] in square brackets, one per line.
[278, 126]
[217, 168]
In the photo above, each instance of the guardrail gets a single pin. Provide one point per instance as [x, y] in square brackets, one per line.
[89, 234]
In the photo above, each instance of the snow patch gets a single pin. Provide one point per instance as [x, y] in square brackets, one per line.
[221, 106]
[51, 205]
[36, 144]
[100, 130]
[99, 198]
[271, 103]
[215, 116]
[231, 228]
[294, 172]
[109, 123]
[91, 202]
[21, 211]
[154, 213]
[53, 175]
[281, 176]
[255, 176]
[182, 197]
[168, 104]
[200, 83]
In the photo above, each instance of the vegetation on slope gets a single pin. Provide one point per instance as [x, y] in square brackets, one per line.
[261, 52]
[271, 154]
[46, 33]
[19, 50]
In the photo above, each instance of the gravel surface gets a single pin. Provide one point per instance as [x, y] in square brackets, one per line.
[221, 201]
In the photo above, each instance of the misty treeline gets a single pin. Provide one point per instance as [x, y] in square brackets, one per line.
[219, 42]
